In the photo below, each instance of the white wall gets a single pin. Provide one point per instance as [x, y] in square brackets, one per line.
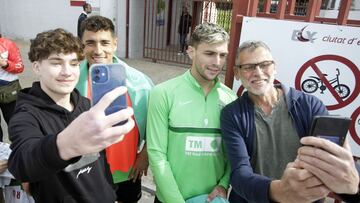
[136, 29]
[121, 27]
[23, 19]
[108, 9]
[353, 14]
[356, 5]
[116, 11]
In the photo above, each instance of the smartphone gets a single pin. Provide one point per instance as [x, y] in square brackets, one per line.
[332, 128]
[104, 78]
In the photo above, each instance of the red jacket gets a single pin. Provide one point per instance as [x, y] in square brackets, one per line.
[15, 63]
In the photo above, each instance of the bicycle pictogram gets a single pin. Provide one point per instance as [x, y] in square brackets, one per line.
[314, 83]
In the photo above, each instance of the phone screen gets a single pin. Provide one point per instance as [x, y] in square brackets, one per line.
[334, 139]
[104, 78]
[332, 128]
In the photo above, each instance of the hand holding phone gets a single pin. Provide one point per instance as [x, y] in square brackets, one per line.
[101, 131]
[332, 128]
[104, 78]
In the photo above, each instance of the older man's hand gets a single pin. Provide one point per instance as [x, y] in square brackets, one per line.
[332, 164]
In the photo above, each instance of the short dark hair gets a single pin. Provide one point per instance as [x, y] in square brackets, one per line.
[54, 41]
[97, 23]
[209, 33]
[85, 5]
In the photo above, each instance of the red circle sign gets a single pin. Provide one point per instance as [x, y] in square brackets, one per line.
[312, 64]
[355, 121]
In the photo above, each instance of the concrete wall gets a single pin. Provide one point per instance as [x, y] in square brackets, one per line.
[136, 29]
[353, 14]
[121, 26]
[356, 5]
[23, 19]
[116, 10]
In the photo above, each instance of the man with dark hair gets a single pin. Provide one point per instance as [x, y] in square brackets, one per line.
[184, 28]
[86, 10]
[53, 127]
[128, 159]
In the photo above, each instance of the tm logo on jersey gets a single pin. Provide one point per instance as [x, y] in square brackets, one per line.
[202, 146]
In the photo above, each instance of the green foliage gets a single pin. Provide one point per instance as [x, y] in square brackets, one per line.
[224, 19]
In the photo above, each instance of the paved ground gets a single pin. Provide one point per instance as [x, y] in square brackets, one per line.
[157, 72]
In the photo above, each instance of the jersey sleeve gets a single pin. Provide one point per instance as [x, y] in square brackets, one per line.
[225, 180]
[157, 143]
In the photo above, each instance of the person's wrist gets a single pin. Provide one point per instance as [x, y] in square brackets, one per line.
[354, 189]
[275, 191]
[357, 192]
[64, 149]
[222, 187]
[222, 190]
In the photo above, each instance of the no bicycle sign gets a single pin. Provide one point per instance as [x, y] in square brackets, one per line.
[342, 92]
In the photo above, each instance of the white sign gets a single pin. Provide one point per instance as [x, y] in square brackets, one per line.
[322, 60]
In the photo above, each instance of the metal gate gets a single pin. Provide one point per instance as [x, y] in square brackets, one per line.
[162, 19]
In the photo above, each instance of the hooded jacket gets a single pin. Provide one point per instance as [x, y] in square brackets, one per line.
[33, 131]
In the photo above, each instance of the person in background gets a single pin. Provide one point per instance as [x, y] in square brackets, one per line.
[11, 65]
[264, 133]
[183, 29]
[53, 126]
[86, 10]
[128, 159]
[185, 147]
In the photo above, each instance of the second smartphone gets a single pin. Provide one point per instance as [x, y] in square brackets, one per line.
[333, 128]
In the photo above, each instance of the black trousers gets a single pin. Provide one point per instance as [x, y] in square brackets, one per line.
[183, 42]
[7, 111]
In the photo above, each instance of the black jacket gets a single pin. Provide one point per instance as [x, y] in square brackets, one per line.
[184, 23]
[81, 18]
[33, 130]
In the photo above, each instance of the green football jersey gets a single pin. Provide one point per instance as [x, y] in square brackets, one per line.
[185, 146]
